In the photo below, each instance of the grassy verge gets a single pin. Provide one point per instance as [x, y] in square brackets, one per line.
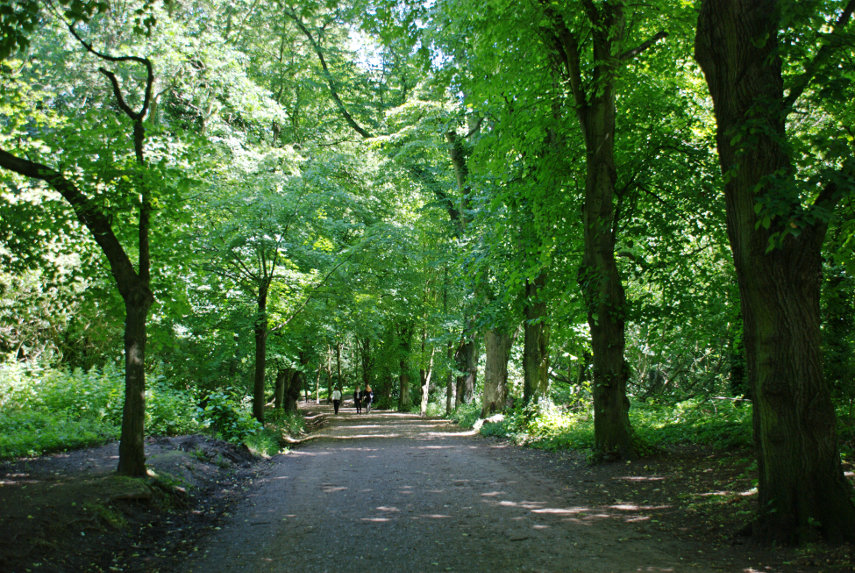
[722, 424]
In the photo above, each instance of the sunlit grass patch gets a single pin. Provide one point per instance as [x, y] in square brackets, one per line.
[722, 424]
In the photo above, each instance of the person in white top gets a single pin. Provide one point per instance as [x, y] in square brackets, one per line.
[336, 399]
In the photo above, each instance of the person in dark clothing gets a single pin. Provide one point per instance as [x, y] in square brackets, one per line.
[368, 398]
[357, 399]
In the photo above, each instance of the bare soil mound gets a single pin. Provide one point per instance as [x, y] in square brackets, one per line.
[71, 512]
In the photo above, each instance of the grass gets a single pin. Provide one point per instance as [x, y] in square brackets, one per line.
[722, 424]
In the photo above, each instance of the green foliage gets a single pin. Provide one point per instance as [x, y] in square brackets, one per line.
[33, 433]
[264, 442]
[290, 423]
[227, 419]
[435, 410]
[721, 424]
[466, 415]
[48, 409]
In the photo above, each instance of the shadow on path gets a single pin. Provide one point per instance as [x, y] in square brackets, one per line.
[394, 492]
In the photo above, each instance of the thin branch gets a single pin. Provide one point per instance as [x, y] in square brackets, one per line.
[629, 54]
[145, 62]
[328, 75]
[821, 57]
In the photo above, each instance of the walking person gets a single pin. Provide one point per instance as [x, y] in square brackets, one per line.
[357, 399]
[368, 397]
[336, 399]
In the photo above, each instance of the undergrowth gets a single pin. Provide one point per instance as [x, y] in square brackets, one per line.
[722, 424]
[45, 409]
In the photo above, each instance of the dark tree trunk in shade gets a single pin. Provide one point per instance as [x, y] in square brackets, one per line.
[260, 330]
[801, 483]
[131, 447]
[497, 344]
[466, 359]
[536, 342]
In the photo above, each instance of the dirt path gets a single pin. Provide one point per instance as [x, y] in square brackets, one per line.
[392, 492]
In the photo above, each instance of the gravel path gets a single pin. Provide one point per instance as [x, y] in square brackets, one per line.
[392, 492]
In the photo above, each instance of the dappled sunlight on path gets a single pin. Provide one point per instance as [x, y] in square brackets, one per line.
[397, 492]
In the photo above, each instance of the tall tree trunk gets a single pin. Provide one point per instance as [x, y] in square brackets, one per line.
[404, 399]
[593, 90]
[260, 355]
[405, 334]
[338, 346]
[285, 378]
[450, 388]
[131, 446]
[466, 358]
[801, 481]
[279, 391]
[425, 375]
[536, 342]
[366, 361]
[498, 343]
[598, 277]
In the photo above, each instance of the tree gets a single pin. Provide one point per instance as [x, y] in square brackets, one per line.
[132, 281]
[779, 197]
[593, 91]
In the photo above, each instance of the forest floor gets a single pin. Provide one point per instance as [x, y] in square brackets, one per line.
[387, 491]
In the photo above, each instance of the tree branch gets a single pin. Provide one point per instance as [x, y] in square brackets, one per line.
[87, 213]
[821, 57]
[145, 62]
[629, 54]
[327, 75]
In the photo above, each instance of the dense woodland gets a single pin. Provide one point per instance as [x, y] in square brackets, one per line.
[581, 208]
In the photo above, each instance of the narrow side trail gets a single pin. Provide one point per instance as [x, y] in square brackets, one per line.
[393, 492]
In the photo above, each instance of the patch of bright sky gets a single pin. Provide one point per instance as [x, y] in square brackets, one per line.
[369, 56]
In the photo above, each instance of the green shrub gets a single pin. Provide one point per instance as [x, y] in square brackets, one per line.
[264, 442]
[31, 433]
[467, 414]
[224, 417]
[169, 411]
[435, 410]
[720, 424]
[45, 409]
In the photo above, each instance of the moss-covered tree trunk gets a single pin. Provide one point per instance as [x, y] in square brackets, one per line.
[801, 482]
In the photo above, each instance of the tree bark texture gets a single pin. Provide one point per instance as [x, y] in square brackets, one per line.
[292, 389]
[466, 358]
[801, 482]
[279, 390]
[425, 375]
[131, 446]
[497, 344]
[536, 342]
[450, 388]
[260, 355]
